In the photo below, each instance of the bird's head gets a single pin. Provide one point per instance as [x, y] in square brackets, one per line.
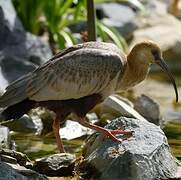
[150, 53]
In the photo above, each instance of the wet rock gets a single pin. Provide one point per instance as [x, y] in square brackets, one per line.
[17, 48]
[4, 137]
[145, 156]
[56, 165]
[148, 108]
[12, 165]
[123, 18]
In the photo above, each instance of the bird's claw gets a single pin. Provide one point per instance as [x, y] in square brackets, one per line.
[121, 131]
[112, 135]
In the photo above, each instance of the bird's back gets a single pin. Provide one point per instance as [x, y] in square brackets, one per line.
[75, 72]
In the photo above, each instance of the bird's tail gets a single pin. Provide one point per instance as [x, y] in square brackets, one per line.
[16, 92]
[17, 110]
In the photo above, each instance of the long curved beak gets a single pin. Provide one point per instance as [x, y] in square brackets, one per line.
[164, 67]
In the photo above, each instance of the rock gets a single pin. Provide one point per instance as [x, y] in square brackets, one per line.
[93, 118]
[158, 7]
[148, 108]
[73, 130]
[56, 165]
[4, 137]
[178, 176]
[43, 119]
[119, 106]
[163, 93]
[17, 48]
[12, 166]
[15, 156]
[123, 18]
[24, 124]
[11, 171]
[145, 156]
[162, 30]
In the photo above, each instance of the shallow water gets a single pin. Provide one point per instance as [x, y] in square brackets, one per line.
[156, 87]
[36, 146]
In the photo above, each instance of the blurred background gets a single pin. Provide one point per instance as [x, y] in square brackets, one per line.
[32, 31]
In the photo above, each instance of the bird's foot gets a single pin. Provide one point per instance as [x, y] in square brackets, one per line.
[129, 133]
[112, 134]
[106, 132]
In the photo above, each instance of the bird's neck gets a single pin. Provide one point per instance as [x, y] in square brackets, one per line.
[135, 72]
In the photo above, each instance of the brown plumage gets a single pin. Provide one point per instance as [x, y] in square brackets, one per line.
[78, 78]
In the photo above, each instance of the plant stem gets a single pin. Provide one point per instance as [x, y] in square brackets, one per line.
[91, 20]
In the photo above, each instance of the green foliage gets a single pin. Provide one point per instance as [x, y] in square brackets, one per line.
[59, 16]
[107, 33]
[55, 17]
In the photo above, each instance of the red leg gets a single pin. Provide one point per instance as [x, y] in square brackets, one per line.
[109, 133]
[56, 127]
[121, 131]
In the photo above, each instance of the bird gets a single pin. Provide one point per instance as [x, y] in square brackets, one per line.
[78, 78]
[173, 8]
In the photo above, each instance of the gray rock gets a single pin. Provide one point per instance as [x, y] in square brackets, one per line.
[145, 156]
[123, 18]
[73, 130]
[12, 165]
[148, 108]
[11, 156]
[158, 7]
[56, 165]
[119, 106]
[8, 159]
[4, 137]
[164, 31]
[10, 171]
[24, 124]
[20, 52]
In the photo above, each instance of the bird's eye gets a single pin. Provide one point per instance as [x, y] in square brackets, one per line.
[155, 54]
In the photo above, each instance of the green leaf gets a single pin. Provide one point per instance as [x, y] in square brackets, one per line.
[113, 34]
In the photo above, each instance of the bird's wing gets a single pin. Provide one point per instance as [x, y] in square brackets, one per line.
[74, 72]
[15, 92]
[79, 73]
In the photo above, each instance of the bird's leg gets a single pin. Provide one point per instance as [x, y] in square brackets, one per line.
[121, 131]
[109, 133]
[56, 128]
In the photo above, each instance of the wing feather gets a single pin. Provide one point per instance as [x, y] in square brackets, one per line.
[79, 74]
[75, 72]
[16, 92]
